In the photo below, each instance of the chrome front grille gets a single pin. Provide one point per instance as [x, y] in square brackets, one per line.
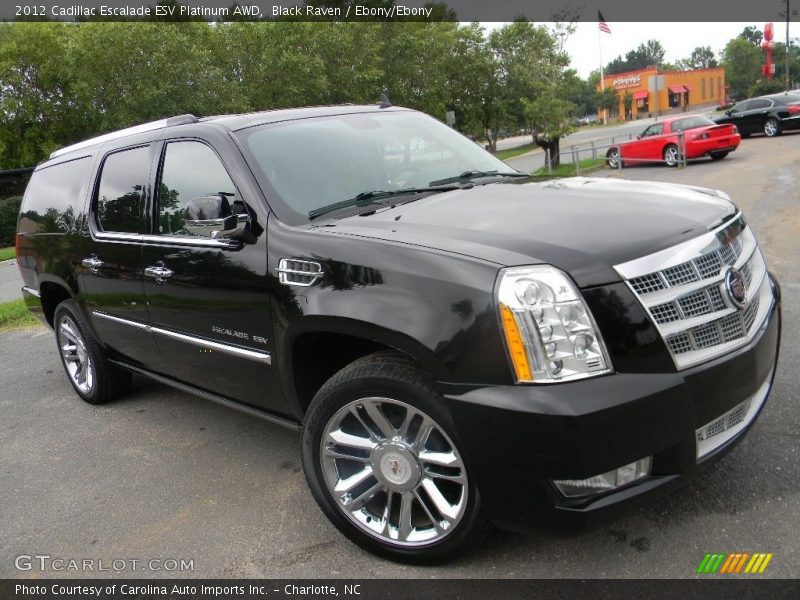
[683, 290]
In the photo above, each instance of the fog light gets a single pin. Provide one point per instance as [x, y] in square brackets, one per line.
[605, 482]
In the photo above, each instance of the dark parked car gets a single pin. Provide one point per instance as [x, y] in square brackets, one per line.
[770, 115]
[459, 345]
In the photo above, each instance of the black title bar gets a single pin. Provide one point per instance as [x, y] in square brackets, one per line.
[398, 10]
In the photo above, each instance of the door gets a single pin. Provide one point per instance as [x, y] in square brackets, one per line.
[207, 298]
[646, 147]
[112, 282]
[739, 117]
[758, 114]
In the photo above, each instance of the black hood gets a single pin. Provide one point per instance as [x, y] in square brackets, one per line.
[581, 225]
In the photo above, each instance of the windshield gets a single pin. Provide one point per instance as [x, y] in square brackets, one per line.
[691, 123]
[310, 163]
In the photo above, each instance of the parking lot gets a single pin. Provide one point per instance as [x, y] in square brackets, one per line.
[163, 475]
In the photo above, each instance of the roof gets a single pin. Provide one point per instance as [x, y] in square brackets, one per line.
[230, 122]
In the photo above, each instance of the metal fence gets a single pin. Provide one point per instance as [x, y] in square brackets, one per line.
[609, 150]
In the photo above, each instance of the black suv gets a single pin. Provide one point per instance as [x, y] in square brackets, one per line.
[459, 345]
[770, 115]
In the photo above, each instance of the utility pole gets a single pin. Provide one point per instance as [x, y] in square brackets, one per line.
[788, 17]
[789, 13]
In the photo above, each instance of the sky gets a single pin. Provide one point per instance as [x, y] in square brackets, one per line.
[678, 39]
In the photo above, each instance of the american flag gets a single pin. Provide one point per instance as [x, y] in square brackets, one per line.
[601, 23]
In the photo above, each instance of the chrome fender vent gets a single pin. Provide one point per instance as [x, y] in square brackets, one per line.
[302, 273]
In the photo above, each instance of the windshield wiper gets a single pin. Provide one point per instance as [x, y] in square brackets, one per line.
[470, 175]
[367, 198]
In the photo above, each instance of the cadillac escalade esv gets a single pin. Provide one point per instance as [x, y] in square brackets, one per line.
[459, 345]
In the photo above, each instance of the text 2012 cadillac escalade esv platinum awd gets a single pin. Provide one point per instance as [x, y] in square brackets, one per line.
[459, 345]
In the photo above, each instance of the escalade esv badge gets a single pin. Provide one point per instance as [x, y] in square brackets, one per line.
[458, 344]
[736, 288]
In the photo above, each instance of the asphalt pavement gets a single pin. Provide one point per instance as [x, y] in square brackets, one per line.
[161, 474]
[10, 281]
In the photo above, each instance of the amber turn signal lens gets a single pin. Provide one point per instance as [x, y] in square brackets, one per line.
[516, 347]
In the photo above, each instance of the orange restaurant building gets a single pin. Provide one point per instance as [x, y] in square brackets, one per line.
[680, 91]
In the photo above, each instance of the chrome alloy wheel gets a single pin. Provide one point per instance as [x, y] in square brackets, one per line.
[771, 127]
[671, 156]
[393, 471]
[612, 158]
[76, 359]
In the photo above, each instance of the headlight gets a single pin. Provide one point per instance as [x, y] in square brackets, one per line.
[550, 333]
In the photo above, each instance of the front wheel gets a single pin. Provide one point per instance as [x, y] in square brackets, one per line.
[672, 156]
[613, 158]
[383, 462]
[772, 127]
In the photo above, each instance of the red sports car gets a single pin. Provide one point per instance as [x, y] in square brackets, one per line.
[661, 142]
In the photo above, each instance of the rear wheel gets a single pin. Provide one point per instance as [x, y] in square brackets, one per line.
[772, 127]
[94, 379]
[383, 462]
[718, 155]
[672, 155]
[613, 158]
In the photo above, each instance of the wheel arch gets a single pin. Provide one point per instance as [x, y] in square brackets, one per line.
[318, 347]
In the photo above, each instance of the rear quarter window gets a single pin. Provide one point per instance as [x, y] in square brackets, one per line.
[54, 198]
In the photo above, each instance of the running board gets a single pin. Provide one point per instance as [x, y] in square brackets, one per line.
[189, 389]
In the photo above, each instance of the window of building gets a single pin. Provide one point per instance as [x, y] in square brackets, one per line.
[119, 194]
[191, 170]
[703, 88]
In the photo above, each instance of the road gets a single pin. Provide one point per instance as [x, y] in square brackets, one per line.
[161, 474]
[10, 281]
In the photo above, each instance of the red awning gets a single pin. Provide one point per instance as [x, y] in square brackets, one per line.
[688, 88]
[640, 95]
[677, 89]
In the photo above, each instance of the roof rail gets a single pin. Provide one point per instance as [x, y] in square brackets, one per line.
[115, 135]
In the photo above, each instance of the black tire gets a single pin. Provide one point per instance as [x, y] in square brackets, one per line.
[613, 157]
[108, 380]
[386, 376]
[718, 155]
[772, 127]
[671, 155]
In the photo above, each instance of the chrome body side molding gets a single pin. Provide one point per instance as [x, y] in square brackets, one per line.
[263, 357]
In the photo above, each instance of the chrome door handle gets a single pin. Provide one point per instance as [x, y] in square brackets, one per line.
[93, 263]
[159, 273]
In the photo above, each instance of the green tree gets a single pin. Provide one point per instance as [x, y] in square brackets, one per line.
[649, 54]
[751, 34]
[701, 57]
[606, 99]
[742, 61]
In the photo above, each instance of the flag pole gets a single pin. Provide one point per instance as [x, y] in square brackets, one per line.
[602, 78]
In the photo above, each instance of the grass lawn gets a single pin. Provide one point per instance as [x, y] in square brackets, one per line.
[7, 253]
[15, 314]
[568, 169]
[512, 152]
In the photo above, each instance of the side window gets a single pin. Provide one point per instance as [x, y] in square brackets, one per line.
[759, 104]
[653, 130]
[190, 170]
[741, 107]
[119, 195]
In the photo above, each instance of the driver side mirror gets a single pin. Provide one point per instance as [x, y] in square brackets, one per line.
[211, 216]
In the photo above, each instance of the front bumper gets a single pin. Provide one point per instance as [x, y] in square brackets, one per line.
[517, 439]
